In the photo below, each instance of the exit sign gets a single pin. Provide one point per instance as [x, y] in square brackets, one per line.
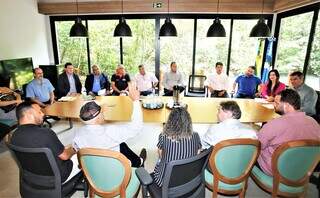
[157, 4]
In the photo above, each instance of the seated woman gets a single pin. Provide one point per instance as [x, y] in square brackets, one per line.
[8, 101]
[273, 87]
[177, 141]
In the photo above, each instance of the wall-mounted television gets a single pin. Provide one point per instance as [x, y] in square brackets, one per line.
[16, 71]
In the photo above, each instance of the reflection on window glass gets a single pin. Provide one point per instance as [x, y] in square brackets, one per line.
[244, 49]
[313, 72]
[140, 48]
[292, 44]
[210, 49]
[178, 49]
[104, 48]
[72, 50]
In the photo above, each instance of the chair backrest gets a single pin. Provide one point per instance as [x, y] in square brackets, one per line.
[184, 176]
[232, 160]
[39, 172]
[108, 172]
[294, 161]
[196, 84]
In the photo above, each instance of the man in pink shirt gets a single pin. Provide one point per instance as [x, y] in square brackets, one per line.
[293, 125]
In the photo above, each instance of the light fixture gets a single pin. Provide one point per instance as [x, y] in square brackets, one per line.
[261, 29]
[78, 29]
[168, 29]
[122, 29]
[216, 29]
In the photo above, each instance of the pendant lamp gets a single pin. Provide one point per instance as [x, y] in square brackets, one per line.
[78, 29]
[122, 29]
[216, 29]
[168, 29]
[261, 29]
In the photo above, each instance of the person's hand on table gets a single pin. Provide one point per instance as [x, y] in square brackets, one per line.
[270, 98]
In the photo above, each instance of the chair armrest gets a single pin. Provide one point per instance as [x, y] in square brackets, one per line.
[143, 176]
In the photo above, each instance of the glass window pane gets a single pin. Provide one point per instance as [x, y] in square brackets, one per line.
[313, 72]
[210, 49]
[178, 49]
[104, 48]
[292, 44]
[244, 49]
[140, 48]
[72, 50]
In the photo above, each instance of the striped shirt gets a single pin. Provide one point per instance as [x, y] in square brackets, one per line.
[174, 150]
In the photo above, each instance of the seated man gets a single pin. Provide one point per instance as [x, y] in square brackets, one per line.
[247, 84]
[218, 82]
[97, 81]
[293, 125]
[68, 82]
[308, 96]
[119, 81]
[172, 78]
[229, 126]
[40, 90]
[98, 134]
[145, 81]
[30, 134]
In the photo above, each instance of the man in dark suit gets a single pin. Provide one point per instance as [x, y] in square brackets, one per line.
[97, 81]
[68, 82]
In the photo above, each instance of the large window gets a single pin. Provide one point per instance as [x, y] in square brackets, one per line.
[104, 48]
[210, 49]
[140, 48]
[292, 44]
[178, 49]
[313, 71]
[244, 49]
[72, 50]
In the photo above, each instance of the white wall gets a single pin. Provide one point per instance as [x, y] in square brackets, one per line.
[24, 32]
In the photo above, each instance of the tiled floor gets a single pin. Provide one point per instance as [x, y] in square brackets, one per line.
[9, 187]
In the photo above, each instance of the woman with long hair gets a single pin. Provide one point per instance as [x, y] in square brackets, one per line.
[177, 141]
[273, 87]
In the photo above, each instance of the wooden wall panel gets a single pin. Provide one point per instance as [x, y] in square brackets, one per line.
[145, 6]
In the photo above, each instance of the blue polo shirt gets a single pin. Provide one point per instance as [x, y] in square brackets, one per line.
[247, 84]
[40, 91]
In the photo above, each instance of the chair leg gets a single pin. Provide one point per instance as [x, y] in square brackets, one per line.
[144, 191]
[86, 188]
[244, 189]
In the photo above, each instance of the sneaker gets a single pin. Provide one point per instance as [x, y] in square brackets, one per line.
[143, 155]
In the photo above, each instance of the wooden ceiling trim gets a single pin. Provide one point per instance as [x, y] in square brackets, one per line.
[283, 5]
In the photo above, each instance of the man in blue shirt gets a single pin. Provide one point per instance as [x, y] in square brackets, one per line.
[40, 90]
[247, 84]
[97, 81]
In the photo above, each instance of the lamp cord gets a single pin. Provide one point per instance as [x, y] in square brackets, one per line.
[218, 7]
[77, 6]
[122, 7]
[168, 8]
[262, 6]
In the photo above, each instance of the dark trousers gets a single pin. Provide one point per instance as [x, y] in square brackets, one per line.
[216, 92]
[240, 95]
[168, 92]
[134, 158]
[145, 93]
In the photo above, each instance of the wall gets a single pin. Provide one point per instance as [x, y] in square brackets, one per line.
[24, 32]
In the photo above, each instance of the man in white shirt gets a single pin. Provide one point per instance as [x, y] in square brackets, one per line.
[218, 82]
[229, 126]
[98, 134]
[145, 81]
[172, 78]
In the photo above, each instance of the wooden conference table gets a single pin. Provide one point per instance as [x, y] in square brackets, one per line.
[202, 110]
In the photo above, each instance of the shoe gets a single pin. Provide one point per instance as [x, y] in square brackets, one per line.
[143, 155]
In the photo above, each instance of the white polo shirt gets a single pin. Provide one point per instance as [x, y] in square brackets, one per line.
[218, 81]
[144, 82]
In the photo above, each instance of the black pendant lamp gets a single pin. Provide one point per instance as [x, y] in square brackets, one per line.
[261, 29]
[122, 29]
[78, 29]
[216, 29]
[168, 29]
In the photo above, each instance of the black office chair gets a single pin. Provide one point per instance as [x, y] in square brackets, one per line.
[182, 178]
[196, 86]
[43, 179]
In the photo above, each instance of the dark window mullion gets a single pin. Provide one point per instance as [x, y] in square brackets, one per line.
[88, 49]
[194, 46]
[229, 47]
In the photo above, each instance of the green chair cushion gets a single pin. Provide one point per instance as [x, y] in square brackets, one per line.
[223, 186]
[8, 122]
[132, 187]
[268, 181]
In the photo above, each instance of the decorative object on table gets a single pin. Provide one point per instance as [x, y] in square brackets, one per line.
[78, 29]
[122, 29]
[168, 29]
[88, 97]
[152, 102]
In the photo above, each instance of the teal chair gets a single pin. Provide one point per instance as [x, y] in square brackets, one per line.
[109, 173]
[292, 164]
[231, 162]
